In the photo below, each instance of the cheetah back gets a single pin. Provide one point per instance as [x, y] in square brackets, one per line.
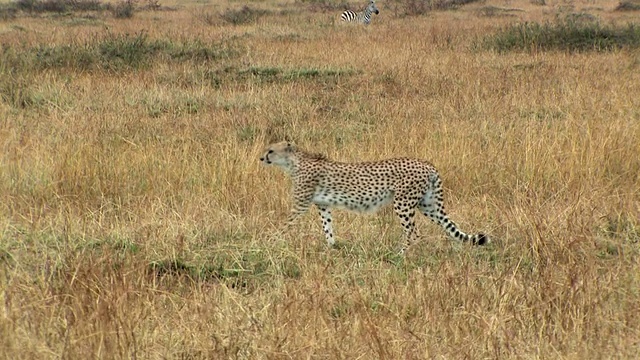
[368, 186]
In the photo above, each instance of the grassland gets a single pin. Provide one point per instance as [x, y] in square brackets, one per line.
[137, 222]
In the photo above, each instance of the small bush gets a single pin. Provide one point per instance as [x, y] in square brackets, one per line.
[573, 33]
[415, 7]
[17, 93]
[199, 51]
[325, 5]
[8, 12]
[47, 57]
[58, 6]
[245, 15]
[153, 5]
[123, 10]
[86, 5]
[207, 18]
[35, 6]
[131, 51]
[422, 7]
[494, 11]
[113, 52]
[629, 5]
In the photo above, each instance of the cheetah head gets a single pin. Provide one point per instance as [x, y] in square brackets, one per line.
[278, 154]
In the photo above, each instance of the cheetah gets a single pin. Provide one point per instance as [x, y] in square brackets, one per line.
[365, 187]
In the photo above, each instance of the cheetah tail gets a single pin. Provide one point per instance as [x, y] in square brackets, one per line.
[479, 239]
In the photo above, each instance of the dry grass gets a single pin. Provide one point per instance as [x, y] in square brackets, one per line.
[136, 220]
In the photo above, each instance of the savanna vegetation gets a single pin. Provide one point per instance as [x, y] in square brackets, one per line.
[137, 222]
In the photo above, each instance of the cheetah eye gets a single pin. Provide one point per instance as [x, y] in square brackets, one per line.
[270, 151]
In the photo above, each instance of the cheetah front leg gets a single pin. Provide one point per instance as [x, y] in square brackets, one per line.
[327, 227]
[298, 209]
[301, 204]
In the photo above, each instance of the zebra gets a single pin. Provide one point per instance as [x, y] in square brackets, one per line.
[362, 17]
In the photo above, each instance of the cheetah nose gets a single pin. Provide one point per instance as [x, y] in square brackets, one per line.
[261, 159]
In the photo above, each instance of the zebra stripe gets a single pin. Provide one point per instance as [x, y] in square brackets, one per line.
[362, 17]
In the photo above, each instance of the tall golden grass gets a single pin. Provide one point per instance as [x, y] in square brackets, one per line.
[137, 222]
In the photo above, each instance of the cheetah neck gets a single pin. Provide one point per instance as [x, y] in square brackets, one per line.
[310, 156]
[300, 158]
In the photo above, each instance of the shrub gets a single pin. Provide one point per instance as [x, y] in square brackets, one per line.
[243, 16]
[131, 51]
[153, 5]
[494, 11]
[123, 10]
[85, 5]
[576, 32]
[7, 12]
[36, 6]
[207, 18]
[17, 92]
[629, 5]
[199, 51]
[57, 6]
[325, 5]
[422, 7]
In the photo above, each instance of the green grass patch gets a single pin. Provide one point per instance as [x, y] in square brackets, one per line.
[271, 74]
[495, 11]
[248, 133]
[17, 92]
[111, 52]
[621, 227]
[119, 9]
[6, 259]
[237, 270]
[575, 33]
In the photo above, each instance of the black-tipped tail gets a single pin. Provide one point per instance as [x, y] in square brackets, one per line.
[480, 239]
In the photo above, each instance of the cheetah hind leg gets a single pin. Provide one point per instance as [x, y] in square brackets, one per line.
[406, 213]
